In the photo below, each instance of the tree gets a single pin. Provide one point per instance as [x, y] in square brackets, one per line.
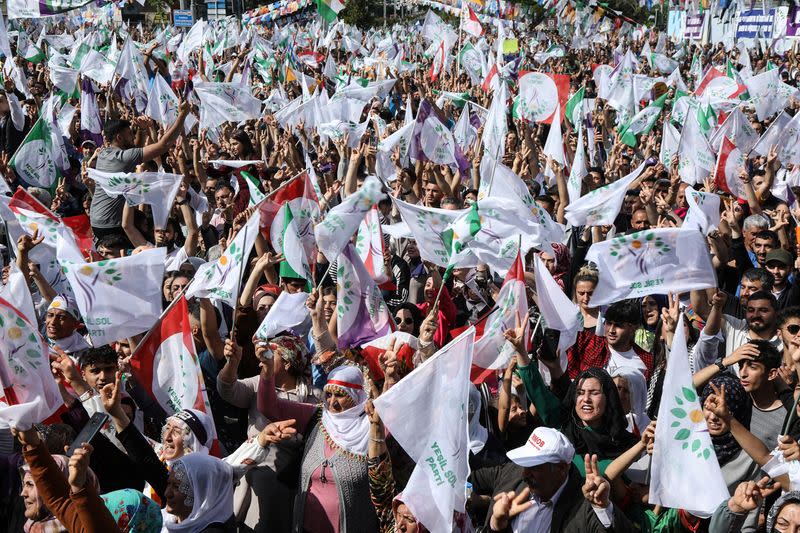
[357, 13]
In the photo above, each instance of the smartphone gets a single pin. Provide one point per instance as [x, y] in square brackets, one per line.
[88, 432]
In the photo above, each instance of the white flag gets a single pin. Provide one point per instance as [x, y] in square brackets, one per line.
[157, 189]
[437, 141]
[342, 221]
[558, 311]
[28, 392]
[220, 280]
[683, 456]
[426, 225]
[492, 350]
[426, 412]
[670, 140]
[133, 79]
[768, 94]
[225, 102]
[773, 135]
[703, 214]
[117, 298]
[696, 158]
[601, 206]
[654, 261]
[554, 146]
[162, 104]
[496, 126]
[288, 313]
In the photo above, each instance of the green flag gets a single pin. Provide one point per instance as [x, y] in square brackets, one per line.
[460, 233]
[329, 9]
[252, 185]
[642, 122]
[33, 161]
[574, 102]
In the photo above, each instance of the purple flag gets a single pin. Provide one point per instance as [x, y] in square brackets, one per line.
[415, 150]
[361, 313]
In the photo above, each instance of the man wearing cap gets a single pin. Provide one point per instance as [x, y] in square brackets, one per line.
[541, 491]
[779, 263]
[61, 324]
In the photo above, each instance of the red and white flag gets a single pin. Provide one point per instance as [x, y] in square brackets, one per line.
[712, 73]
[729, 162]
[166, 363]
[371, 248]
[437, 66]
[299, 194]
[492, 351]
[471, 24]
[488, 81]
[29, 393]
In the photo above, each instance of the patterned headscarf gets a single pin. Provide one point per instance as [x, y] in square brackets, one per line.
[133, 511]
[562, 260]
[741, 407]
[292, 350]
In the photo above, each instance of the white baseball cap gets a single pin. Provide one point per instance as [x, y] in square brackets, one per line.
[545, 445]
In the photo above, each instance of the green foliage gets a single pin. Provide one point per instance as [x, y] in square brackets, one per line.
[359, 12]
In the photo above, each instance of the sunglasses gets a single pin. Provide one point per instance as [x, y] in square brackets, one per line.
[409, 320]
[793, 329]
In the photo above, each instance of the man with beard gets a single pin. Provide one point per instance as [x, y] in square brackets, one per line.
[760, 322]
[122, 154]
[541, 490]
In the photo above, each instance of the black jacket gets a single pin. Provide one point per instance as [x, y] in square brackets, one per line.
[572, 513]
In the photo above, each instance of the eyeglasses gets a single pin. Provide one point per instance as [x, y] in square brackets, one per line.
[407, 320]
[793, 329]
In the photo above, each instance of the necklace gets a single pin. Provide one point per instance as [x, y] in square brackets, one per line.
[338, 448]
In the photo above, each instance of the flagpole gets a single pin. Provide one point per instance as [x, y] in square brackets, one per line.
[494, 164]
[460, 34]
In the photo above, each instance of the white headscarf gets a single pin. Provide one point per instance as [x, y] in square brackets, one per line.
[191, 441]
[477, 433]
[637, 387]
[209, 482]
[348, 429]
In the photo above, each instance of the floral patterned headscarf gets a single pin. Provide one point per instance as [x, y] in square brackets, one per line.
[133, 511]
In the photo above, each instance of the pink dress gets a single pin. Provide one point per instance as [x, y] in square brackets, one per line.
[321, 512]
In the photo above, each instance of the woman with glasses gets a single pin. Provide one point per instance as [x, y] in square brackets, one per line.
[408, 318]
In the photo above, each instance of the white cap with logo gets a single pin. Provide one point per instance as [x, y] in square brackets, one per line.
[545, 445]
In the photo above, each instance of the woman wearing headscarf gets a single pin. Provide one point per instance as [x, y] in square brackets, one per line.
[587, 410]
[651, 313]
[60, 493]
[188, 431]
[784, 515]
[558, 263]
[271, 503]
[734, 462]
[334, 488]
[199, 496]
[632, 390]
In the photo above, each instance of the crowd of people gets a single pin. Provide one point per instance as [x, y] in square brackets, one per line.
[285, 431]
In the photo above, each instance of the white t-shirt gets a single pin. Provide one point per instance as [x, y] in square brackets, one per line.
[175, 259]
[627, 359]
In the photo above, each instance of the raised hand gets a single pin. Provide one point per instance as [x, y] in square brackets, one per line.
[596, 489]
[716, 402]
[507, 505]
[749, 494]
[26, 242]
[79, 466]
